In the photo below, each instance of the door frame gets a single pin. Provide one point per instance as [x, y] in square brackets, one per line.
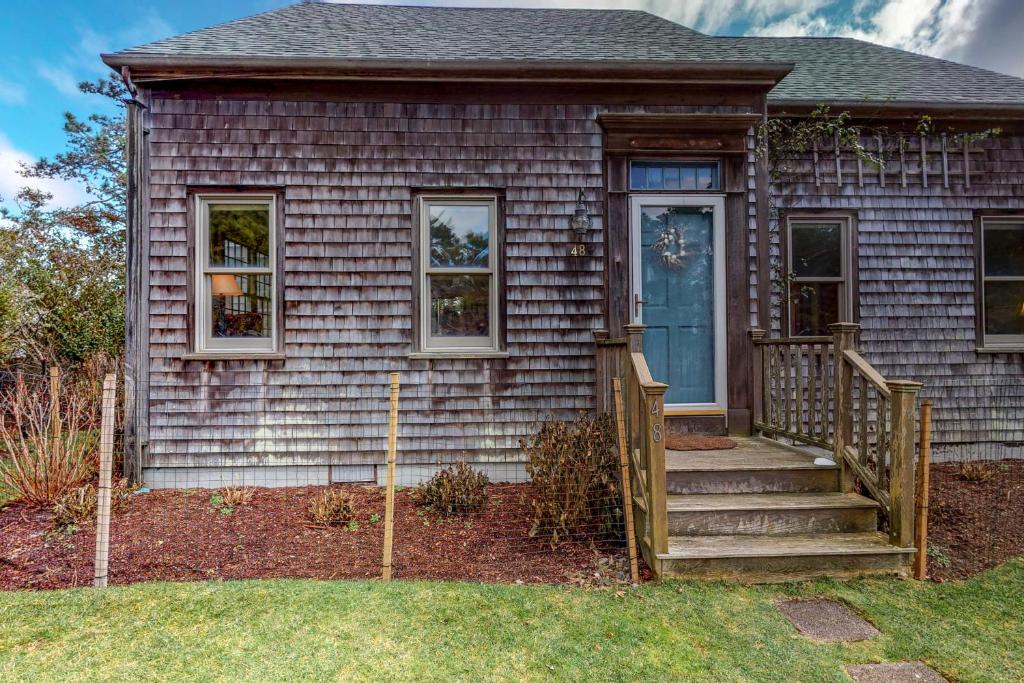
[717, 202]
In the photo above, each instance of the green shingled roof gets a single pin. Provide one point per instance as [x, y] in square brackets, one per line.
[827, 69]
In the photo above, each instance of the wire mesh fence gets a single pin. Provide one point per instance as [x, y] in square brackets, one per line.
[976, 502]
[252, 479]
[245, 477]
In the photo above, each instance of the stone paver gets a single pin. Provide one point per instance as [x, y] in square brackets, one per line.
[903, 672]
[826, 621]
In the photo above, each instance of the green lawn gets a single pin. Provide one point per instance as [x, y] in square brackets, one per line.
[304, 630]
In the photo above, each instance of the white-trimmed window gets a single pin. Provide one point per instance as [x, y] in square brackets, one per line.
[458, 273]
[820, 274]
[1002, 281]
[236, 288]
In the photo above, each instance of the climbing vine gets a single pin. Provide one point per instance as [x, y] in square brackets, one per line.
[782, 144]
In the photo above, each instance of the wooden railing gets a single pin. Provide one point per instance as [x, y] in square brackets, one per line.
[820, 391]
[643, 402]
[793, 388]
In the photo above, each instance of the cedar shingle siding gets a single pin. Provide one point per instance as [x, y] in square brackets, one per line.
[349, 173]
[917, 279]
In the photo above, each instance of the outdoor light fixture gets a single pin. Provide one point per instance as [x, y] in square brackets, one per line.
[581, 222]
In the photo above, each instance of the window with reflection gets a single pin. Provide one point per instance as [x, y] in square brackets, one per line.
[235, 288]
[458, 273]
[1002, 280]
[819, 282]
[678, 176]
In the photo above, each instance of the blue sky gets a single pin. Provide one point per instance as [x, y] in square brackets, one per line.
[51, 45]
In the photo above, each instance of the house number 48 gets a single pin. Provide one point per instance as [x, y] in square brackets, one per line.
[578, 250]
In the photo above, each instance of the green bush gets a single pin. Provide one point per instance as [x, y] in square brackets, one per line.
[573, 467]
[455, 490]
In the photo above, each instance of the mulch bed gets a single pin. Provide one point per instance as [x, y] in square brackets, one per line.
[180, 536]
[974, 525]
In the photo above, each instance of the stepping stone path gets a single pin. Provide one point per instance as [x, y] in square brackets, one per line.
[904, 672]
[827, 621]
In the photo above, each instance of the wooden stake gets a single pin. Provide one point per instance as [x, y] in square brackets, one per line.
[103, 494]
[627, 493]
[389, 504]
[923, 474]
[55, 421]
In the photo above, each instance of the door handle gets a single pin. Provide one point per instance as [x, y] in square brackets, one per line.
[637, 305]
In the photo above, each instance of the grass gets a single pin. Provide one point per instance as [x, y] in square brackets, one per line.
[305, 630]
[5, 494]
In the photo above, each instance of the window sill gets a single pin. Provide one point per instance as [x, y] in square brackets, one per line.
[233, 355]
[457, 355]
[999, 349]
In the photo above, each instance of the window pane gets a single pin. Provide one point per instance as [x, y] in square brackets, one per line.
[239, 235]
[1004, 250]
[459, 235]
[815, 306]
[673, 175]
[1004, 308]
[817, 249]
[459, 306]
[240, 305]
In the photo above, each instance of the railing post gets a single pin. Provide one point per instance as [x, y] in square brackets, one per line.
[757, 380]
[901, 473]
[635, 335]
[844, 338]
[657, 485]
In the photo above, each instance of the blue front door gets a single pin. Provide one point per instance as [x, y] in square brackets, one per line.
[675, 293]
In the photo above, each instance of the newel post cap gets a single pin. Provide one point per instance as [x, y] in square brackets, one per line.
[843, 327]
[903, 386]
[757, 334]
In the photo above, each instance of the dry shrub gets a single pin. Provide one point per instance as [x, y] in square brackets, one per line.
[455, 490]
[47, 455]
[975, 471]
[331, 507]
[78, 506]
[573, 467]
[236, 496]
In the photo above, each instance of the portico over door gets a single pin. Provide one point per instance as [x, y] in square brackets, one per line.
[678, 294]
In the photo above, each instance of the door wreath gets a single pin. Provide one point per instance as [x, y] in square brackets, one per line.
[670, 247]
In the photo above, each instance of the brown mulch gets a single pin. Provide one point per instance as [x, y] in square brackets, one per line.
[179, 536]
[697, 442]
[974, 525]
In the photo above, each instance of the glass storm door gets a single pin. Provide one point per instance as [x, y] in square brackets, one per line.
[678, 293]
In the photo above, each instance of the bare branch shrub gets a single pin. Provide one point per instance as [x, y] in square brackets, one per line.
[46, 455]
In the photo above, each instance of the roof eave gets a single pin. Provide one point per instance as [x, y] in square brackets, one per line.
[159, 67]
[897, 109]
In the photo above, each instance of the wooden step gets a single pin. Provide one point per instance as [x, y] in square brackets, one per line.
[770, 513]
[772, 559]
[752, 468]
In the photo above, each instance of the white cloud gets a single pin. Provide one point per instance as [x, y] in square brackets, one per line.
[59, 77]
[11, 93]
[82, 61]
[65, 193]
[983, 33]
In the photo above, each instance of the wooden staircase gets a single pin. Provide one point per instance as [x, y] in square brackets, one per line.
[763, 512]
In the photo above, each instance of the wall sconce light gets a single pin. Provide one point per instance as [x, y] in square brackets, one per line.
[581, 222]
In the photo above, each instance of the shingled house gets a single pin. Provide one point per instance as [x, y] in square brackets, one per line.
[323, 194]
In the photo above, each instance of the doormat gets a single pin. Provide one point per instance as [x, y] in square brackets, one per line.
[697, 442]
